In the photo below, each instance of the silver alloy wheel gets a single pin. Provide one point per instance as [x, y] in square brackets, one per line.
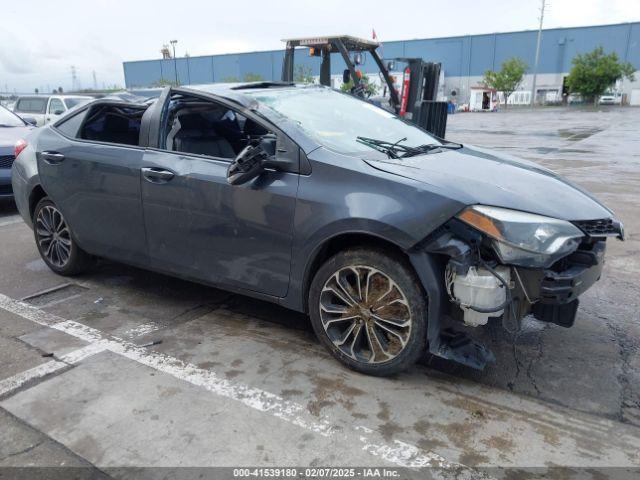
[54, 238]
[365, 314]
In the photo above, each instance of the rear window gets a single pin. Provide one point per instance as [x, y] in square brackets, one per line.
[113, 124]
[31, 105]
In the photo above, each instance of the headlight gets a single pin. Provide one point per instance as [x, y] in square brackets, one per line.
[521, 238]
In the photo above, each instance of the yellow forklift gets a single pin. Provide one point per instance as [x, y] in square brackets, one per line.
[417, 99]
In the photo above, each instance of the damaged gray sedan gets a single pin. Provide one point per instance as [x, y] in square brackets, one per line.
[396, 243]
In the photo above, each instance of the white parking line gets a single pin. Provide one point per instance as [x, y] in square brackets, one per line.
[404, 453]
[76, 356]
[9, 385]
[143, 329]
[397, 452]
[12, 220]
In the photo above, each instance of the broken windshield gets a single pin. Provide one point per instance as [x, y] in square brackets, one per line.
[337, 120]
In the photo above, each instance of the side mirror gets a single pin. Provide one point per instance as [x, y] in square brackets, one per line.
[268, 144]
[346, 76]
[247, 165]
[58, 112]
[31, 121]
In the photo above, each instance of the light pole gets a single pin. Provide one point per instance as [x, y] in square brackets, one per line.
[535, 67]
[175, 61]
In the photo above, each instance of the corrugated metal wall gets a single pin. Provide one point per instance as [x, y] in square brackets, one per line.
[461, 56]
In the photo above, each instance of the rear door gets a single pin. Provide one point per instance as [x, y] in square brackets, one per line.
[90, 166]
[200, 227]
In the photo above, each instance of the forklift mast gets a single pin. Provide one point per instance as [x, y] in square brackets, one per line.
[343, 44]
[419, 103]
[425, 77]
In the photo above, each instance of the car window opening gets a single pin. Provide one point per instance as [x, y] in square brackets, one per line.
[113, 124]
[207, 128]
[31, 105]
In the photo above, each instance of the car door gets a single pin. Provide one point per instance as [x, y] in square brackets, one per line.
[96, 186]
[200, 227]
[54, 110]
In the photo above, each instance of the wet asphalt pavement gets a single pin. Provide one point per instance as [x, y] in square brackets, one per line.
[152, 371]
[595, 365]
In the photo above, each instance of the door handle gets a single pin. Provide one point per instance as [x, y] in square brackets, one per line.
[52, 158]
[157, 175]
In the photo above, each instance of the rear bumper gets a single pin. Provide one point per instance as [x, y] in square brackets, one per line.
[561, 287]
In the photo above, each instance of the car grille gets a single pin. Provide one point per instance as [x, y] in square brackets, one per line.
[599, 228]
[6, 161]
[5, 190]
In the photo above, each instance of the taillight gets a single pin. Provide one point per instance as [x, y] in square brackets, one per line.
[19, 147]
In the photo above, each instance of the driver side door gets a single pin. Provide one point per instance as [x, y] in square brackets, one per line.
[202, 228]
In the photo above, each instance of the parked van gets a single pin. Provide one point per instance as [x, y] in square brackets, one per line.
[46, 108]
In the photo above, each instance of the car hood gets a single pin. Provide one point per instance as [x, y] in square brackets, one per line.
[474, 175]
[10, 135]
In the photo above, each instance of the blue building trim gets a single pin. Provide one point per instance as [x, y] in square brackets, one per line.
[466, 55]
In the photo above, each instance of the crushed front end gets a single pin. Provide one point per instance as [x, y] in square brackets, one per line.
[491, 264]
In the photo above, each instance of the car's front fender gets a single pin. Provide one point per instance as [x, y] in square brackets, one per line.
[345, 196]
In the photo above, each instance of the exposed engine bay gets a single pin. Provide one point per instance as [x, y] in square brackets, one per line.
[499, 265]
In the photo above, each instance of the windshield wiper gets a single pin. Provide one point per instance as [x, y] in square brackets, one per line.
[395, 150]
[392, 150]
[428, 147]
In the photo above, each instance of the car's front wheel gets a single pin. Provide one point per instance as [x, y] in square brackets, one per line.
[368, 309]
[55, 243]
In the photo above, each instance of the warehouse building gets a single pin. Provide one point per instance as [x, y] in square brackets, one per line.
[464, 60]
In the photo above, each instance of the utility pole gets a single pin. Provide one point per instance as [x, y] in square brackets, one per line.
[95, 80]
[73, 78]
[535, 67]
[175, 61]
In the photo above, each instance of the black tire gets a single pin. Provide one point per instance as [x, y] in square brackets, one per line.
[369, 267]
[70, 259]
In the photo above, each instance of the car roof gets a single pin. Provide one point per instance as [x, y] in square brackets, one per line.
[238, 92]
[61, 95]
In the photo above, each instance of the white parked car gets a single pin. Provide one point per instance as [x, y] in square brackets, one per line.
[610, 98]
[46, 108]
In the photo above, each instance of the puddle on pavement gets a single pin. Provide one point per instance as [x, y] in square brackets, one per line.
[578, 134]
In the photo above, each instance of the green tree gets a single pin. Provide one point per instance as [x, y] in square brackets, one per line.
[369, 87]
[164, 83]
[593, 73]
[230, 79]
[303, 74]
[508, 78]
[253, 77]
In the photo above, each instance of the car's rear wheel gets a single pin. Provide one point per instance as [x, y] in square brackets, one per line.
[55, 242]
[368, 309]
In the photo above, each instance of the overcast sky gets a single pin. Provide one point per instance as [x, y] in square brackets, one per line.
[41, 39]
